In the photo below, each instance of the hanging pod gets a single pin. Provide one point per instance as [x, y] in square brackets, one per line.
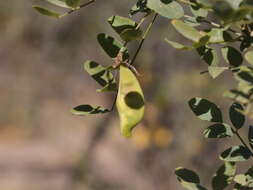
[130, 101]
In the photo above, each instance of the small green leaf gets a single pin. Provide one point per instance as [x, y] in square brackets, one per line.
[236, 115]
[224, 10]
[205, 110]
[187, 175]
[73, 3]
[216, 71]
[125, 27]
[250, 136]
[60, 3]
[198, 11]
[232, 56]
[111, 46]
[100, 74]
[186, 30]
[218, 130]
[84, 110]
[208, 55]
[235, 154]
[224, 176]
[166, 8]
[130, 101]
[249, 57]
[46, 12]
[188, 179]
[177, 45]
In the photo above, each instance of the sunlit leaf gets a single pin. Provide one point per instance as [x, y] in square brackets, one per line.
[130, 101]
[216, 71]
[218, 130]
[245, 180]
[236, 154]
[205, 110]
[166, 8]
[125, 27]
[186, 30]
[60, 3]
[249, 57]
[46, 12]
[100, 74]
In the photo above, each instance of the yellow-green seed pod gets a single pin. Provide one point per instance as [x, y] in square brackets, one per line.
[130, 101]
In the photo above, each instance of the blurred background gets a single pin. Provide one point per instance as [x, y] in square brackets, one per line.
[44, 147]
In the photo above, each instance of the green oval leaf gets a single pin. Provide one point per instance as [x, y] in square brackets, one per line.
[236, 116]
[208, 55]
[218, 130]
[166, 8]
[249, 57]
[130, 101]
[236, 154]
[125, 27]
[224, 176]
[186, 30]
[101, 75]
[188, 179]
[73, 3]
[216, 71]
[84, 110]
[111, 46]
[232, 56]
[46, 12]
[60, 3]
[205, 110]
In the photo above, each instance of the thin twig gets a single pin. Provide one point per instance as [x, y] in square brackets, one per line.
[242, 141]
[78, 8]
[143, 39]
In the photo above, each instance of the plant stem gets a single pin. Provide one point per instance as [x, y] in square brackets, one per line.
[242, 141]
[143, 39]
[77, 8]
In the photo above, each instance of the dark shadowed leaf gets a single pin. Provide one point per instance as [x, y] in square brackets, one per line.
[83, 110]
[235, 154]
[232, 56]
[205, 110]
[188, 179]
[208, 55]
[111, 46]
[250, 136]
[100, 74]
[218, 130]
[224, 176]
[167, 8]
[236, 116]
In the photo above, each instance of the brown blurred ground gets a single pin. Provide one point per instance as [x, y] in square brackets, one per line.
[44, 147]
